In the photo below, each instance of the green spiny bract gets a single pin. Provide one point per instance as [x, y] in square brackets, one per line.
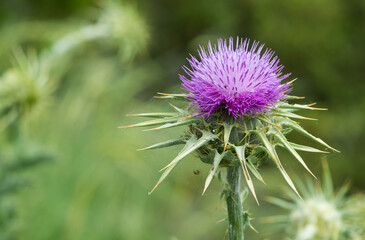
[222, 141]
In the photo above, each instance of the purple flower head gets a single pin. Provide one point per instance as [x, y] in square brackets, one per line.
[234, 80]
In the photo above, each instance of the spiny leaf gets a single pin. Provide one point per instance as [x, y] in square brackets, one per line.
[254, 171]
[152, 122]
[289, 97]
[287, 145]
[271, 150]
[207, 136]
[284, 173]
[267, 144]
[154, 115]
[267, 120]
[164, 144]
[217, 159]
[240, 150]
[298, 128]
[180, 122]
[305, 148]
[290, 115]
[172, 96]
[327, 184]
[227, 133]
[180, 110]
[188, 145]
[281, 203]
[299, 106]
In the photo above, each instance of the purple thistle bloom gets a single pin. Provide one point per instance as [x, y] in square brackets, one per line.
[234, 80]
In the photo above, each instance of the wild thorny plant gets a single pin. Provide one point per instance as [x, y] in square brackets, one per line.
[323, 213]
[27, 87]
[24, 90]
[238, 114]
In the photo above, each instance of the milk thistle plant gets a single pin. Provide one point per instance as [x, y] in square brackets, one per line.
[323, 213]
[238, 114]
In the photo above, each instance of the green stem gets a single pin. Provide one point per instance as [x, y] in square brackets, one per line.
[234, 203]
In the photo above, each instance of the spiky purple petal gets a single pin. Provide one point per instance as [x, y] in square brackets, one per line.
[234, 80]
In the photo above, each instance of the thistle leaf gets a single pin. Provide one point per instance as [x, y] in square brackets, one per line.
[254, 171]
[240, 150]
[327, 184]
[154, 115]
[287, 145]
[281, 203]
[180, 122]
[152, 122]
[285, 174]
[188, 145]
[289, 97]
[299, 129]
[164, 144]
[304, 148]
[273, 154]
[180, 110]
[227, 133]
[207, 136]
[267, 144]
[217, 159]
[267, 120]
[290, 115]
[298, 106]
[172, 96]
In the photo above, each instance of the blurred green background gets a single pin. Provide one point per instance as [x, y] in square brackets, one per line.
[104, 59]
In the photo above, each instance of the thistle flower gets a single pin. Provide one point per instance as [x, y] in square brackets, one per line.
[322, 214]
[237, 116]
[235, 80]
[24, 89]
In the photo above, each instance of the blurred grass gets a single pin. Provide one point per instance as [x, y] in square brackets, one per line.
[97, 186]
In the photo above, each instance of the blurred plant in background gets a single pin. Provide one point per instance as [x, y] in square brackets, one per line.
[323, 214]
[27, 88]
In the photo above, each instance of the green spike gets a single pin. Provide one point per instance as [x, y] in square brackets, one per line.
[180, 110]
[240, 150]
[207, 136]
[152, 122]
[281, 203]
[267, 120]
[285, 174]
[267, 144]
[164, 144]
[274, 156]
[299, 106]
[284, 141]
[290, 115]
[217, 159]
[181, 97]
[299, 129]
[289, 97]
[327, 185]
[154, 115]
[304, 148]
[227, 133]
[188, 145]
[254, 171]
[180, 122]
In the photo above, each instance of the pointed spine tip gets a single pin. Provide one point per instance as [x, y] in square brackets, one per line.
[151, 129]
